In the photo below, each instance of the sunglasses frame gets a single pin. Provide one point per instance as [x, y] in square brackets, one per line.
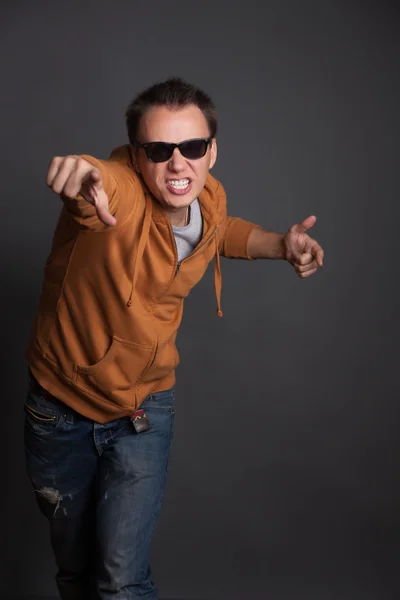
[172, 147]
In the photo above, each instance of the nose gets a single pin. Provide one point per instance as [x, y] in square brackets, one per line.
[176, 162]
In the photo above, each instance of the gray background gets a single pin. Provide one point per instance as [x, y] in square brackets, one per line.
[284, 479]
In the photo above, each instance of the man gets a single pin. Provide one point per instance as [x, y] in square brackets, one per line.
[135, 234]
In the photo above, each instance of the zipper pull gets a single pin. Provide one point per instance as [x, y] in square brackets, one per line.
[178, 268]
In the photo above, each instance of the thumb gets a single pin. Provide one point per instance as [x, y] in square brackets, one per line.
[304, 225]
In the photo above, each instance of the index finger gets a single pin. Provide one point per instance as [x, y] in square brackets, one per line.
[315, 249]
[104, 215]
[319, 256]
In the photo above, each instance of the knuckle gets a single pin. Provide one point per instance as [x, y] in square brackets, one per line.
[80, 162]
[71, 161]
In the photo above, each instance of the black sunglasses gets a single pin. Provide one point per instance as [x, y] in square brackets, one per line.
[162, 151]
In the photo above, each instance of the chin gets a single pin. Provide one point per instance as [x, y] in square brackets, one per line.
[181, 204]
[178, 201]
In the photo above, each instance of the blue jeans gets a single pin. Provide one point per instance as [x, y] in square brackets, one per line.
[101, 488]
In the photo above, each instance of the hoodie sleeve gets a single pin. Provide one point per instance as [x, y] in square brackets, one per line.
[233, 243]
[120, 186]
[234, 231]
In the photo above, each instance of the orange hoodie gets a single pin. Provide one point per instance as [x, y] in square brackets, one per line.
[112, 299]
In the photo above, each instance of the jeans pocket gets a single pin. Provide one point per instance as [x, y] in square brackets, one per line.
[41, 417]
[163, 401]
[159, 408]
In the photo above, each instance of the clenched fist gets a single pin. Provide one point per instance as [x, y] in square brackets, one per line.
[73, 175]
[301, 251]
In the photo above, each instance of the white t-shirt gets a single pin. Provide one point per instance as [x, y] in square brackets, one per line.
[187, 237]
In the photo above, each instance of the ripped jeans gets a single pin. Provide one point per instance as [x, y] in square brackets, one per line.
[101, 488]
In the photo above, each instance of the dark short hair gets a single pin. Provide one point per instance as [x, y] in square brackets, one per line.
[175, 93]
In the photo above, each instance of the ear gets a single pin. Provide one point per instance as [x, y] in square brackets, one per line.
[213, 153]
[134, 158]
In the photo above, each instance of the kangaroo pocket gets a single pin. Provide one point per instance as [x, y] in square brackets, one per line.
[165, 361]
[118, 373]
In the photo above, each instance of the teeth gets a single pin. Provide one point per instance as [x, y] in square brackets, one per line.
[179, 184]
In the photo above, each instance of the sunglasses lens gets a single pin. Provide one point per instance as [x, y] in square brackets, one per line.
[159, 151]
[193, 149]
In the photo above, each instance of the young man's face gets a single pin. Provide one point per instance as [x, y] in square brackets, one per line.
[177, 181]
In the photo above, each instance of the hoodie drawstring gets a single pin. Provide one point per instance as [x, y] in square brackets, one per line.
[142, 245]
[217, 276]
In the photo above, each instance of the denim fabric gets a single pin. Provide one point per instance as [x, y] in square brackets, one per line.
[101, 488]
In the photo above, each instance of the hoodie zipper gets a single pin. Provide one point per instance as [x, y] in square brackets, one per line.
[203, 244]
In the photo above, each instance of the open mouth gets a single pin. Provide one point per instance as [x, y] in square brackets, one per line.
[178, 186]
